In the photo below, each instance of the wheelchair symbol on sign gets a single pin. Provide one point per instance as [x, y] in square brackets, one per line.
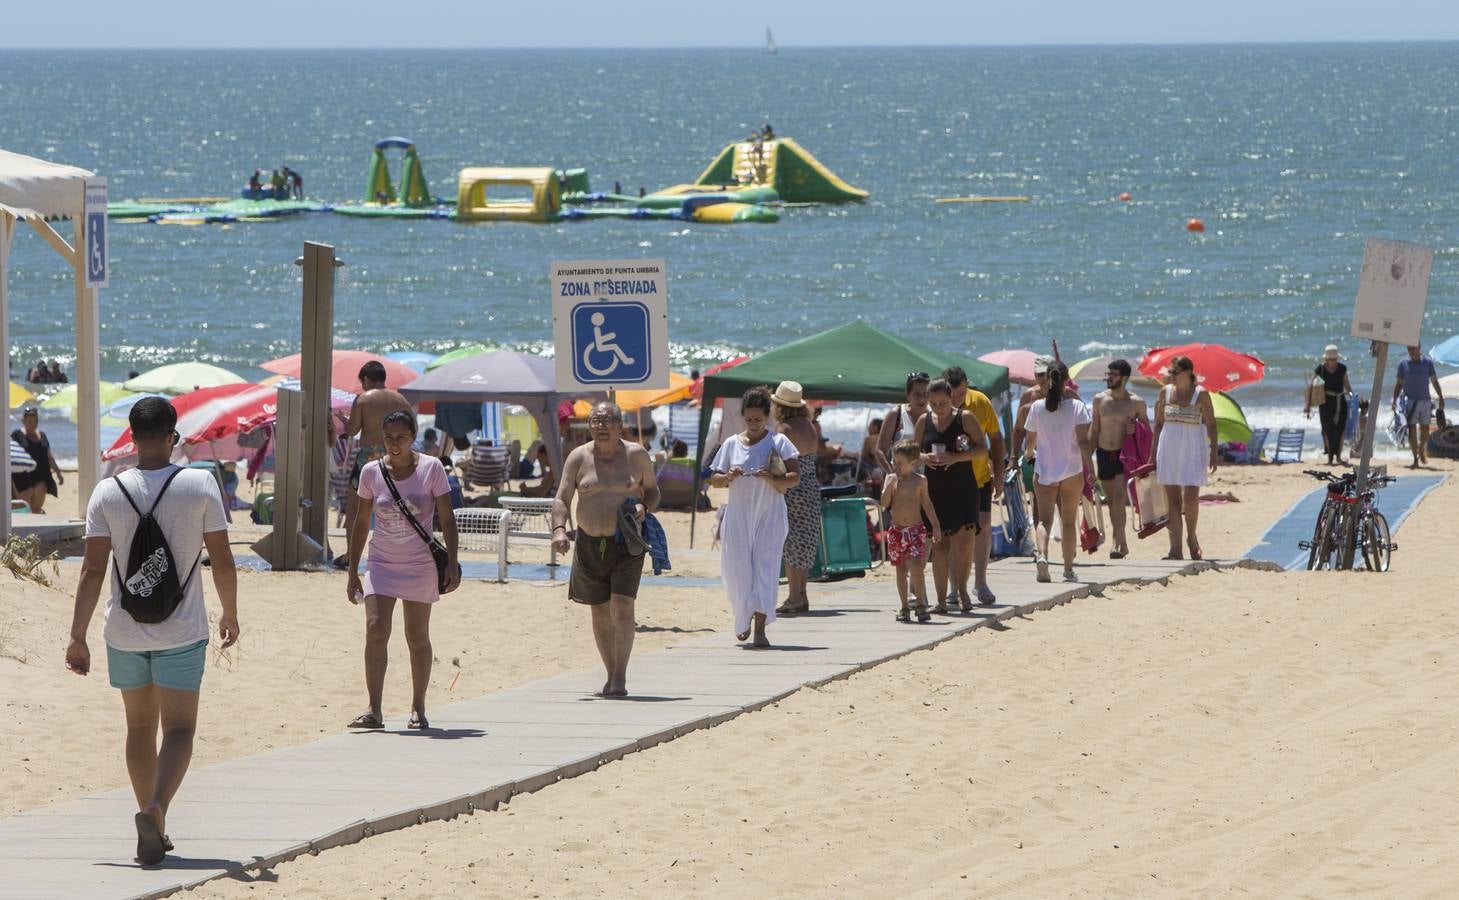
[604, 343]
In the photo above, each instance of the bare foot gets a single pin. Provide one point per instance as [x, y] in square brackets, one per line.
[1195, 548]
[616, 687]
[742, 636]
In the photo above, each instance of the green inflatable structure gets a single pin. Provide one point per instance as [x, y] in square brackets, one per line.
[782, 164]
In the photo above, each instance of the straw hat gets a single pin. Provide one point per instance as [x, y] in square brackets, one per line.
[1330, 352]
[788, 394]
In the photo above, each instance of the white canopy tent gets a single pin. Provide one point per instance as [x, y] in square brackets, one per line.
[38, 192]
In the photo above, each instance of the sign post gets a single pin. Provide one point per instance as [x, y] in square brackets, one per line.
[97, 245]
[610, 324]
[1393, 289]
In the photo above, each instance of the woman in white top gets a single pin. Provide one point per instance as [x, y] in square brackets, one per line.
[1058, 428]
[1183, 450]
[752, 532]
[900, 421]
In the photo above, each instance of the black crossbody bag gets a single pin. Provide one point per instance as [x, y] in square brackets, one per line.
[439, 555]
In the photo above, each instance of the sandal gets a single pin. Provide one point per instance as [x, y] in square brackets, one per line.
[791, 608]
[367, 720]
[922, 614]
[986, 597]
[940, 609]
[904, 615]
[1118, 554]
[965, 605]
[417, 721]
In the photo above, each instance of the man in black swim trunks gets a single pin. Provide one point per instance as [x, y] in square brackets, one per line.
[1115, 412]
[605, 473]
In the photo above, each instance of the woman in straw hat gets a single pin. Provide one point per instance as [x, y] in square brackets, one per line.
[1333, 411]
[752, 464]
[802, 502]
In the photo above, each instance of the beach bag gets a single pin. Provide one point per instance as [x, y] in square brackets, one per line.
[439, 554]
[1091, 518]
[1147, 498]
[151, 591]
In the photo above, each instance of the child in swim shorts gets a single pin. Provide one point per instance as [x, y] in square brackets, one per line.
[905, 496]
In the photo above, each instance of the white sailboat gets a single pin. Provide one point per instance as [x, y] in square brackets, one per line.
[769, 42]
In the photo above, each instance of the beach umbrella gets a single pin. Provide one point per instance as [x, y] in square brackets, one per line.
[412, 359]
[1218, 368]
[65, 398]
[210, 413]
[1446, 352]
[179, 378]
[1230, 420]
[1449, 386]
[461, 353]
[344, 369]
[19, 396]
[1019, 364]
[1093, 369]
[629, 401]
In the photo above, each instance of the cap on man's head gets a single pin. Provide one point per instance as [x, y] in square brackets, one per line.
[1041, 364]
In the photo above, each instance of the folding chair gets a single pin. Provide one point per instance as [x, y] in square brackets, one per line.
[1289, 445]
[490, 466]
[1255, 447]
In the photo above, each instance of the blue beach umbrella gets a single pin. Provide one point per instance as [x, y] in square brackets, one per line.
[1446, 352]
[412, 359]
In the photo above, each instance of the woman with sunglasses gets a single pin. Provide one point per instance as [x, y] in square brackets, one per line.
[1183, 450]
[901, 420]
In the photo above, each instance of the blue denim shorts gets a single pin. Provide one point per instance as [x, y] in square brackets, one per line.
[180, 668]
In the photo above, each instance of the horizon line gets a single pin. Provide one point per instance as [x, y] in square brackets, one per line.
[757, 47]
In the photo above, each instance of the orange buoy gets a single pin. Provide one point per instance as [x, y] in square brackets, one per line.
[1125, 196]
[1195, 225]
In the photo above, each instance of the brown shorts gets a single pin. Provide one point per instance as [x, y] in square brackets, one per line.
[602, 567]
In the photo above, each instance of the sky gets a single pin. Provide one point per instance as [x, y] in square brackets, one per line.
[686, 23]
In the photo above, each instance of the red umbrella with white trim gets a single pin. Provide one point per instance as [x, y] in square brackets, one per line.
[1217, 368]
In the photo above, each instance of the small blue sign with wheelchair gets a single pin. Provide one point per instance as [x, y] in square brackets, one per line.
[612, 342]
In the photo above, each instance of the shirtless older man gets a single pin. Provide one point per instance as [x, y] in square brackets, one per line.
[605, 474]
[1115, 413]
[367, 416]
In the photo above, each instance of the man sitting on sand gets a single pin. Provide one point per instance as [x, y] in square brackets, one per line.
[157, 665]
[606, 474]
[373, 404]
[1115, 412]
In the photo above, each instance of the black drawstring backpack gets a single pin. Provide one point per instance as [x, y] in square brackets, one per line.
[151, 590]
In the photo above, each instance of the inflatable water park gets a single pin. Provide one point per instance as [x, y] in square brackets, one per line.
[748, 181]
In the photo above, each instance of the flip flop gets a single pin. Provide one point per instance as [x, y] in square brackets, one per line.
[366, 720]
[151, 845]
[986, 597]
[1118, 554]
[417, 722]
[789, 608]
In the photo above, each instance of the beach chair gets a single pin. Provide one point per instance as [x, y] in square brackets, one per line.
[1255, 447]
[684, 426]
[490, 466]
[1289, 445]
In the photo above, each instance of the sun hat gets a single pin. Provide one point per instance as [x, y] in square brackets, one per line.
[1330, 352]
[1042, 363]
[787, 393]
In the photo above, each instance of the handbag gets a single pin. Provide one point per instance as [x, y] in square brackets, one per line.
[439, 554]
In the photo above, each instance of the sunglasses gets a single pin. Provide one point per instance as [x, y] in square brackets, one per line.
[918, 376]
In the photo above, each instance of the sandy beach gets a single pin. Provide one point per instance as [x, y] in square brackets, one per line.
[1280, 733]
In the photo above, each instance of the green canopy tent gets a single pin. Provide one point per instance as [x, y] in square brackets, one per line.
[854, 362]
[1230, 420]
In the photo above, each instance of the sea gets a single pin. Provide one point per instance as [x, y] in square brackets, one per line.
[1291, 155]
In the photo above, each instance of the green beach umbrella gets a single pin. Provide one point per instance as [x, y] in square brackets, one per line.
[462, 353]
[179, 378]
[1230, 420]
[110, 391]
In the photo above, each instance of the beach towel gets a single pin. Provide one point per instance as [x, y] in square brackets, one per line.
[1135, 452]
[1015, 510]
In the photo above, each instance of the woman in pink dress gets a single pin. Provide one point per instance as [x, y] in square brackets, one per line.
[401, 566]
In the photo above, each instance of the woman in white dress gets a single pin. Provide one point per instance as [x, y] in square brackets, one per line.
[758, 467]
[1183, 450]
[1058, 439]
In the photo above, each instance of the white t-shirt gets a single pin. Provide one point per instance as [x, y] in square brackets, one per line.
[1057, 447]
[191, 508]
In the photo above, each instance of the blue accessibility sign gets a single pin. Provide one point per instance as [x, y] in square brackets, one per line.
[96, 246]
[611, 343]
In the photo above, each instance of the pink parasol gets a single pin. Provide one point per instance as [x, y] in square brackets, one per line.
[1018, 362]
[344, 369]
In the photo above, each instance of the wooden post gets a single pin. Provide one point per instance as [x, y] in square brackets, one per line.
[1370, 430]
[7, 228]
[88, 375]
[287, 481]
[314, 376]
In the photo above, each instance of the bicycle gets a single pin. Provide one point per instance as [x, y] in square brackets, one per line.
[1347, 523]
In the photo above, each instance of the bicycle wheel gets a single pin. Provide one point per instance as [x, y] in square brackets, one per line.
[1376, 554]
[1347, 540]
[1321, 539]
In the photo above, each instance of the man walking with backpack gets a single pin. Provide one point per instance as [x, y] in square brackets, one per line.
[153, 522]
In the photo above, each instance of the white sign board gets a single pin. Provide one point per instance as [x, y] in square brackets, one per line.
[1392, 291]
[610, 323]
[98, 251]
